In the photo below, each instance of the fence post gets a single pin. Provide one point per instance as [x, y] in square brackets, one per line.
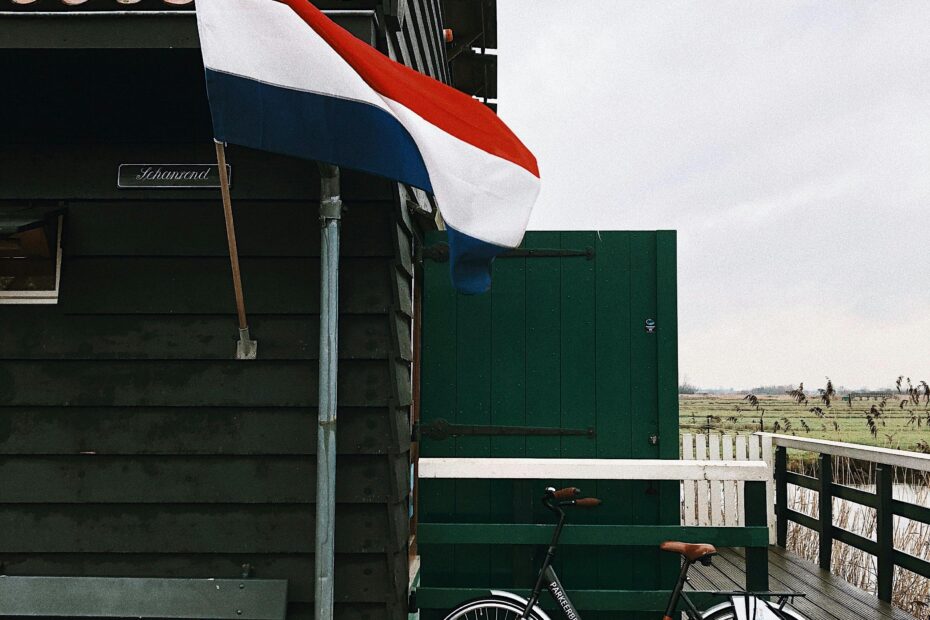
[781, 496]
[689, 486]
[825, 502]
[884, 531]
[742, 454]
[716, 487]
[703, 486]
[730, 510]
[757, 558]
[766, 446]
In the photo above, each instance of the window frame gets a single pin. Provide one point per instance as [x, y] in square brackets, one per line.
[49, 297]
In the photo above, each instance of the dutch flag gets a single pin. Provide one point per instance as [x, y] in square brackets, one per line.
[283, 77]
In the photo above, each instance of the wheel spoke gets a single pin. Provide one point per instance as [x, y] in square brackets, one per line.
[501, 609]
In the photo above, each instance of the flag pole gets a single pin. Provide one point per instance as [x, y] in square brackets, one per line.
[324, 550]
[246, 348]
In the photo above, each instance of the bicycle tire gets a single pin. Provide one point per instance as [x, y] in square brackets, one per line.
[724, 613]
[727, 612]
[490, 607]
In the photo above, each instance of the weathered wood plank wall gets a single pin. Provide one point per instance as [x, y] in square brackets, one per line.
[131, 443]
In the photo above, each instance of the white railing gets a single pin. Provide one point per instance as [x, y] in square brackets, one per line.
[882, 456]
[720, 502]
[593, 469]
[712, 470]
[750, 475]
[878, 539]
[705, 482]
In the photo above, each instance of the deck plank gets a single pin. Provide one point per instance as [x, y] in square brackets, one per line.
[833, 592]
[828, 597]
[813, 606]
[793, 563]
[834, 588]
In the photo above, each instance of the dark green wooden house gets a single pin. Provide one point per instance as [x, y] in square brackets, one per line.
[132, 443]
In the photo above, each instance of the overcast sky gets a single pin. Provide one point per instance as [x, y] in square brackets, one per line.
[787, 142]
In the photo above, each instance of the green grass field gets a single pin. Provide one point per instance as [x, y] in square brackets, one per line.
[906, 429]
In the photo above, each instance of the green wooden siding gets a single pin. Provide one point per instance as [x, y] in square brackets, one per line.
[133, 444]
[559, 342]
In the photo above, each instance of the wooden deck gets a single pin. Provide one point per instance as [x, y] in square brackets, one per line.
[828, 597]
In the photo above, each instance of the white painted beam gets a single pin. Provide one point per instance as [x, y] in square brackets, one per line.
[885, 456]
[590, 469]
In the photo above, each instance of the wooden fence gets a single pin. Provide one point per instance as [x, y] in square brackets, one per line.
[720, 502]
[882, 501]
[753, 536]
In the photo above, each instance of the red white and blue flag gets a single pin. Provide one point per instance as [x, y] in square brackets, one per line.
[283, 77]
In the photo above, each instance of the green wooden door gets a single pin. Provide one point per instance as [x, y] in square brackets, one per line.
[565, 342]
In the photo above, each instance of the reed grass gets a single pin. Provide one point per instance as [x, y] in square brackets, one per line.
[911, 592]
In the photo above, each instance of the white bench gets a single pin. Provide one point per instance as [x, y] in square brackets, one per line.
[124, 597]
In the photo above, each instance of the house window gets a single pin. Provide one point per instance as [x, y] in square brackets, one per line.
[30, 255]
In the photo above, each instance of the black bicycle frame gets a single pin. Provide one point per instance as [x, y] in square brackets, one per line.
[559, 594]
[550, 581]
[547, 577]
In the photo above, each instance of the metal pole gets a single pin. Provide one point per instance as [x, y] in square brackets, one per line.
[246, 349]
[324, 550]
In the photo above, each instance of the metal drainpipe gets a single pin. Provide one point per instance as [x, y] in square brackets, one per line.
[324, 550]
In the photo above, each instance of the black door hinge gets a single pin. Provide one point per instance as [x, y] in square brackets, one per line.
[439, 252]
[441, 429]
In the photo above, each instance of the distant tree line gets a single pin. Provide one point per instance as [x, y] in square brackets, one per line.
[772, 390]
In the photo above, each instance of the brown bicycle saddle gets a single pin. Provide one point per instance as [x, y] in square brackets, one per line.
[692, 552]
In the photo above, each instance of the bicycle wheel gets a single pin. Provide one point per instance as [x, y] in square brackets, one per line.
[489, 607]
[720, 612]
[725, 611]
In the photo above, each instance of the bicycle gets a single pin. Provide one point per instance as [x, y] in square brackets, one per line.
[741, 605]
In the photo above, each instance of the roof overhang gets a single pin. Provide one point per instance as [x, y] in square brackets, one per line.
[132, 29]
